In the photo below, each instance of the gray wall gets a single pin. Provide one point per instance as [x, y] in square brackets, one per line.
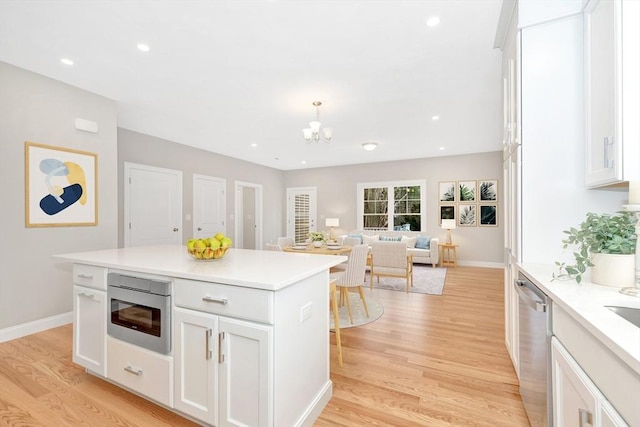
[148, 150]
[337, 196]
[37, 109]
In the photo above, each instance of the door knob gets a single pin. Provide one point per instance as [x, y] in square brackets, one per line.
[175, 229]
[199, 229]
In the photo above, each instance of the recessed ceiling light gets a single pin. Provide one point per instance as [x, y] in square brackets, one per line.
[370, 146]
[304, 162]
[254, 145]
[435, 118]
[66, 61]
[433, 21]
[143, 47]
[441, 148]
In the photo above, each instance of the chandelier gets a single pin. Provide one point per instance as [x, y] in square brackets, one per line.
[312, 133]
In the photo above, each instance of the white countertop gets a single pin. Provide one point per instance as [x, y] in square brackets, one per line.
[270, 270]
[586, 303]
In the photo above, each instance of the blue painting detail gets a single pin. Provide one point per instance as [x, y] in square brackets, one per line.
[60, 198]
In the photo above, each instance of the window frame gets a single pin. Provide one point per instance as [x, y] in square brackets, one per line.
[390, 185]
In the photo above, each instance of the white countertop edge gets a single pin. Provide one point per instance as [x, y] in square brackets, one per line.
[586, 302]
[270, 270]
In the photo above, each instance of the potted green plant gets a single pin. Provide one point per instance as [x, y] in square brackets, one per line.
[317, 238]
[607, 244]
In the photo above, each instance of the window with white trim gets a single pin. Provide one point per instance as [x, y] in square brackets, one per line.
[394, 205]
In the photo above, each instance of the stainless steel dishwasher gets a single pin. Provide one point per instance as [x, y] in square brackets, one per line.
[535, 332]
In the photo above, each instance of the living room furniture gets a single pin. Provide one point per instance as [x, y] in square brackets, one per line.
[285, 241]
[333, 303]
[420, 244]
[391, 259]
[322, 250]
[449, 256]
[353, 277]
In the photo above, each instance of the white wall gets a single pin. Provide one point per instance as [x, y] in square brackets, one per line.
[337, 196]
[37, 109]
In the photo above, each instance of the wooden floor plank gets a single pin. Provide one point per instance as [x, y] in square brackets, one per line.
[428, 361]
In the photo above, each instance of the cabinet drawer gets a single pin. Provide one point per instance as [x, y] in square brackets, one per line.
[91, 276]
[231, 301]
[140, 370]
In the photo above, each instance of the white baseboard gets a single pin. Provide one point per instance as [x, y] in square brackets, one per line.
[481, 264]
[35, 326]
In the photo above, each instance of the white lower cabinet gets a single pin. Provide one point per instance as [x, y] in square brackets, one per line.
[223, 369]
[90, 328]
[576, 399]
[246, 373]
[196, 359]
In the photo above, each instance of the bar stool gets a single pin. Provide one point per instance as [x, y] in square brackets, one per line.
[333, 302]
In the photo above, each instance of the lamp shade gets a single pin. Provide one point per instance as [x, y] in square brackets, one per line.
[332, 222]
[448, 224]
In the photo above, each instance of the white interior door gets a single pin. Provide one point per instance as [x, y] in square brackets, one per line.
[301, 212]
[209, 206]
[152, 205]
[248, 213]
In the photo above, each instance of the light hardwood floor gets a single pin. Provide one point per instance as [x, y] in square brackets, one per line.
[428, 361]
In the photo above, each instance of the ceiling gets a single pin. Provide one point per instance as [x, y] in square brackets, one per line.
[225, 75]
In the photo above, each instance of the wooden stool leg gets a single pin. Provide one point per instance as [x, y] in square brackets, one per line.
[346, 297]
[336, 320]
[364, 302]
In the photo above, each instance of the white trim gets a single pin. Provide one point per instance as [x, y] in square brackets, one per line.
[33, 327]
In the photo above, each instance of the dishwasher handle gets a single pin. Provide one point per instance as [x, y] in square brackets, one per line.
[536, 305]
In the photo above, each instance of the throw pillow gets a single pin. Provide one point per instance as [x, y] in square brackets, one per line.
[368, 239]
[390, 238]
[423, 242]
[410, 241]
[357, 236]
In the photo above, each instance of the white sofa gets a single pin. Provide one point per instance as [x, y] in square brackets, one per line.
[421, 256]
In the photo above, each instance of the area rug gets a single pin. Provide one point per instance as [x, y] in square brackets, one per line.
[426, 280]
[357, 310]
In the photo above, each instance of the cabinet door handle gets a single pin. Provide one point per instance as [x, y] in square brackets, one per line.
[608, 142]
[207, 350]
[133, 370]
[86, 295]
[220, 354]
[222, 301]
[585, 417]
[85, 276]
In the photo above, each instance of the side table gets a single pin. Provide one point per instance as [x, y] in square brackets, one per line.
[451, 256]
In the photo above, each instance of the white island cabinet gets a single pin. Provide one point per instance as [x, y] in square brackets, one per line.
[250, 342]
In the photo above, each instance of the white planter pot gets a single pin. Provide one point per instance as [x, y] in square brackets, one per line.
[613, 270]
[317, 244]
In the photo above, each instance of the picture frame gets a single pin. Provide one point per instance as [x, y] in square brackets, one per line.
[466, 191]
[487, 215]
[447, 212]
[447, 191]
[488, 190]
[60, 186]
[467, 216]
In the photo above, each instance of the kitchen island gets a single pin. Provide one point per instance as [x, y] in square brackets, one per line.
[249, 332]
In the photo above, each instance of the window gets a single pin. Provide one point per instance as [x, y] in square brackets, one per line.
[392, 205]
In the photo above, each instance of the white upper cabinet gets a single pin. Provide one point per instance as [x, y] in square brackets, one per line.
[612, 91]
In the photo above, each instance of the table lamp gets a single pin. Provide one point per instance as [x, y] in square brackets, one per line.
[448, 224]
[331, 222]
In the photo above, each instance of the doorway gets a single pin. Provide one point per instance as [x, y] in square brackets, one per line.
[209, 206]
[301, 212]
[152, 205]
[248, 215]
